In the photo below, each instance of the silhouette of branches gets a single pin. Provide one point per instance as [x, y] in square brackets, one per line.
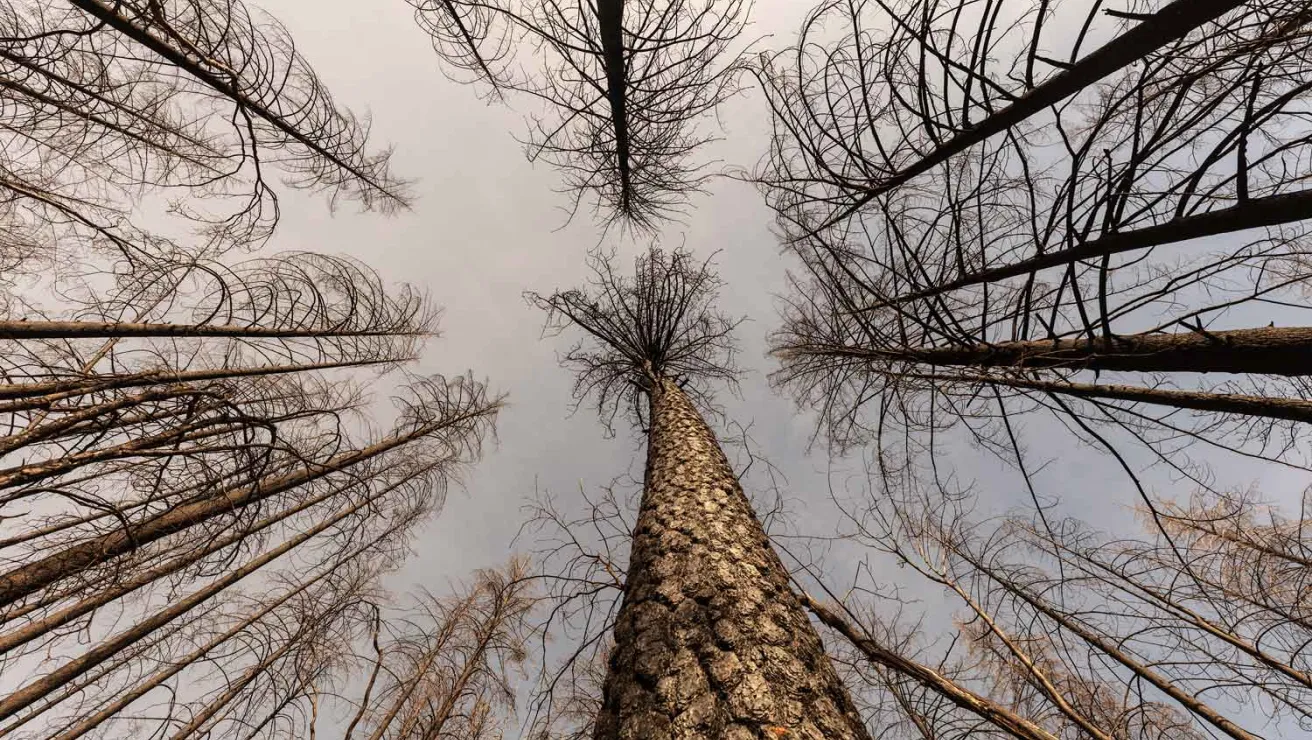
[661, 323]
[625, 86]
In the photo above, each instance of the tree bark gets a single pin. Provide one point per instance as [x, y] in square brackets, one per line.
[710, 641]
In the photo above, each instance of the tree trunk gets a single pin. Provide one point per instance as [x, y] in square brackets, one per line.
[711, 642]
[35, 575]
[44, 394]
[1251, 214]
[114, 330]
[1285, 351]
[610, 25]
[223, 81]
[1269, 407]
[1167, 25]
[1112, 649]
[996, 714]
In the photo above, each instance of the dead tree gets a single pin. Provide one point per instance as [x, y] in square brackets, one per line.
[1078, 635]
[626, 86]
[1002, 214]
[439, 668]
[109, 101]
[177, 443]
[710, 639]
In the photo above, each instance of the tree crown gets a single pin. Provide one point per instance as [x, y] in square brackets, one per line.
[659, 324]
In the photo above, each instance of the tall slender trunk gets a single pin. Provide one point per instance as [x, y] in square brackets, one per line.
[35, 575]
[114, 330]
[1283, 351]
[113, 591]
[1169, 24]
[44, 394]
[711, 642]
[1270, 407]
[1113, 650]
[1250, 214]
[610, 25]
[225, 82]
[996, 714]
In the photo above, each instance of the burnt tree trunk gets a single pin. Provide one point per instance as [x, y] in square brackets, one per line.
[610, 22]
[711, 642]
[1285, 351]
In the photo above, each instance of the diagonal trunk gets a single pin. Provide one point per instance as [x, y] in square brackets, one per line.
[610, 23]
[996, 714]
[24, 329]
[710, 640]
[1250, 214]
[1285, 351]
[111, 592]
[43, 394]
[1269, 407]
[1166, 26]
[1112, 649]
[106, 649]
[222, 80]
[29, 578]
[90, 722]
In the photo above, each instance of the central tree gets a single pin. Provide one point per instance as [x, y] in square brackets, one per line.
[710, 640]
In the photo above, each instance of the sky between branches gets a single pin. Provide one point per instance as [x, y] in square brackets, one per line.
[487, 225]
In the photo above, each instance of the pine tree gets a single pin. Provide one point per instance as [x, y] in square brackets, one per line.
[710, 639]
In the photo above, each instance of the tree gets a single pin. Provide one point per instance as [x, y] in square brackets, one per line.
[107, 101]
[984, 241]
[626, 85]
[158, 477]
[197, 495]
[710, 640]
[440, 668]
[1131, 637]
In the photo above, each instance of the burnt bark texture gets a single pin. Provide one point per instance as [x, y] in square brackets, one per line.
[710, 641]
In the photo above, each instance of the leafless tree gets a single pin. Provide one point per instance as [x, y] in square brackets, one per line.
[709, 639]
[440, 668]
[109, 100]
[195, 502]
[1196, 632]
[999, 205]
[194, 520]
[625, 84]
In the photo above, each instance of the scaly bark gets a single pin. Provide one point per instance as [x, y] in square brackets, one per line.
[710, 641]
